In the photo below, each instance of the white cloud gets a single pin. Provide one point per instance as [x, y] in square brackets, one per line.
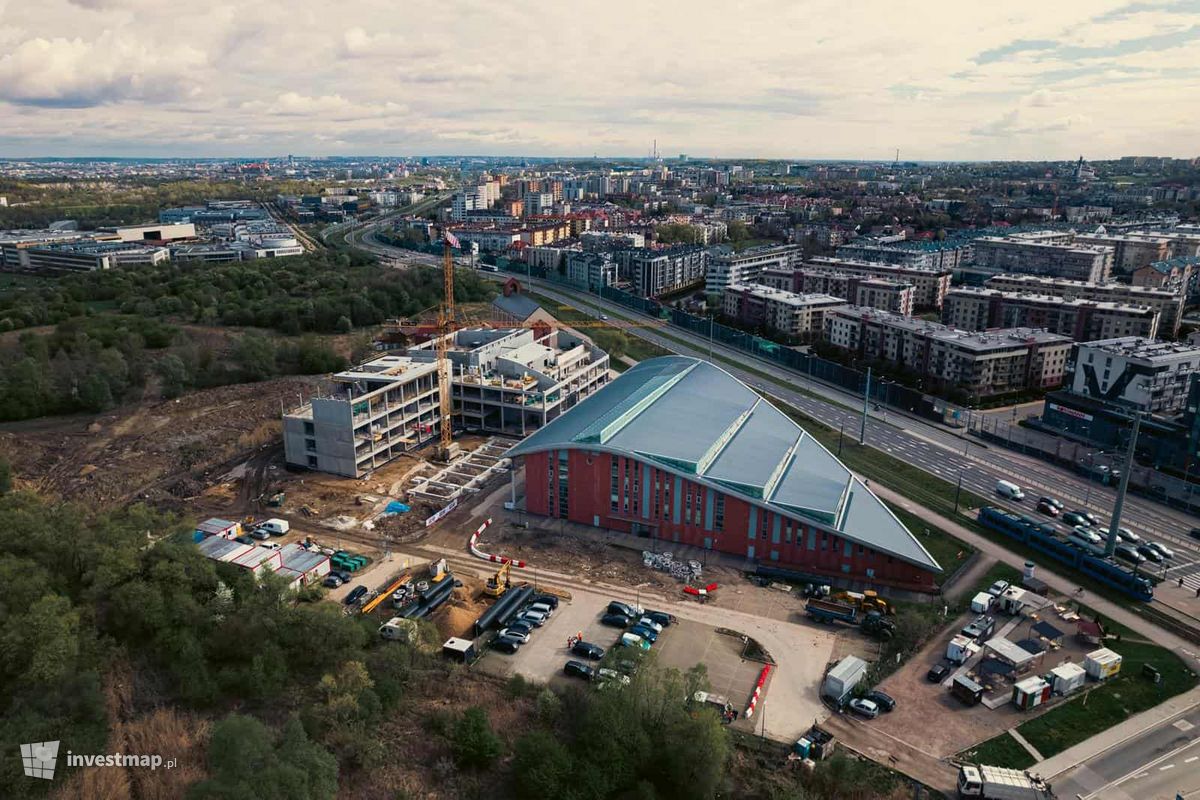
[369, 76]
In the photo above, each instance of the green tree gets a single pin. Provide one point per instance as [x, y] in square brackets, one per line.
[174, 375]
[543, 767]
[474, 742]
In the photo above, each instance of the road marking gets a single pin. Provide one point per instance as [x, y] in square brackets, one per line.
[1166, 767]
[1183, 725]
[1190, 760]
[1140, 775]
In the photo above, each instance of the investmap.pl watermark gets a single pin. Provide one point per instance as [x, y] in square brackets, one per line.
[40, 758]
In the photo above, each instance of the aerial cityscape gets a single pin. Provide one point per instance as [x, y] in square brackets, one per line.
[778, 402]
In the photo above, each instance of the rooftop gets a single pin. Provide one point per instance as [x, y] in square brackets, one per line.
[1146, 349]
[784, 296]
[999, 339]
[1034, 297]
[693, 418]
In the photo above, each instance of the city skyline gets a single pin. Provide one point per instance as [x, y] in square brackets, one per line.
[1023, 82]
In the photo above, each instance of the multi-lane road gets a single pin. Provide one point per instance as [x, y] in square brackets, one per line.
[936, 449]
[1155, 765]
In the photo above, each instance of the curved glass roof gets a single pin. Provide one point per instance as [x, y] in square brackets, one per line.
[695, 419]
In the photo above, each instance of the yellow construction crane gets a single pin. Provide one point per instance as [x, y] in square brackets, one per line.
[445, 328]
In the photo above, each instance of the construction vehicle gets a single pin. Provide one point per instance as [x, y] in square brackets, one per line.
[872, 622]
[1000, 783]
[445, 322]
[494, 587]
[438, 570]
[866, 601]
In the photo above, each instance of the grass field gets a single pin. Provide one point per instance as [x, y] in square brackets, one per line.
[1000, 751]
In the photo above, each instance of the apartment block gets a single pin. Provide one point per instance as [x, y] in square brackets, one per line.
[1130, 253]
[1169, 303]
[1047, 253]
[973, 364]
[976, 309]
[515, 380]
[929, 285]
[1135, 373]
[373, 413]
[800, 315]
[882, 293]
[921, 255]
[593, 270]
[656, 272]
[727, 267]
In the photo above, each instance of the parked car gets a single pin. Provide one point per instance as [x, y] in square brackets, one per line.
[343, 574]
[634, 641]
[1128, 552]
[661, 617]
[541, 608]
[649, 634]
[998, 588]
[332, 581]
[864, 708]
[1150, 553]
[519, 625]
[515, 633]
[885, 701]
[578, 669]
[261, 534]
[271, 545]
[537, 618]
[1128, 536]
[617, 607]
[646, 622]
[938, 672]
[588, 650]
[356, 594]
[546, 600]
[1162, 549]
[245, 539]
[504, 644]
[616, 620]
[1047, 508]
[1074, 518]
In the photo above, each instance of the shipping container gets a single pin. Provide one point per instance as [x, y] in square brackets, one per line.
[1068, 677]
[844, 676]
[1102, 664]
[1030, 693]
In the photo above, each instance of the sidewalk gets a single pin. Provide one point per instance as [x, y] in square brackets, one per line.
[1116, 735]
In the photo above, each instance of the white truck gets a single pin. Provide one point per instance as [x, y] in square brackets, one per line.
[1000, 783]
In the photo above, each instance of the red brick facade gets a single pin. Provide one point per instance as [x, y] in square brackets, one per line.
[652, 501]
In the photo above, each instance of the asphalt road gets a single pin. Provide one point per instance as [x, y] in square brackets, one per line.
[1160, 763]
[933, 448]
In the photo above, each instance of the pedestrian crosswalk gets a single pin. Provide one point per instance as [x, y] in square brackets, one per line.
[1183, 577]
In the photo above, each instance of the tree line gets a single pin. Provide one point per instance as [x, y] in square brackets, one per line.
[319, 293]
[90, 364]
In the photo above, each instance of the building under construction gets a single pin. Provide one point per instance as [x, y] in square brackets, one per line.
[508, 380]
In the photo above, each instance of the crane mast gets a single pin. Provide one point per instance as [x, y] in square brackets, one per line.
[445, 329]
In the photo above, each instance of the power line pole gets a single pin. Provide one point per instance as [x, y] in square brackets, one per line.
[1119, 506]
[862, 434]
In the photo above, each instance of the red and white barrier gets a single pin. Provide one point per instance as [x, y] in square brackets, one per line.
[712, 587]
[475, 551]
[758, 687]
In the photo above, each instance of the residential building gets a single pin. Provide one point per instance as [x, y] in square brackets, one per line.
[679, 451]
[656, 272]
[591, 270]
[470, 199]
[491, 240]
[1130, 252]
[918, 254]
[1134, 372]
[1175, 274]
[1047, 253]
[929, 285]
[373, 413]
[753, 305]
[727, 267]
[605, 240]
[515, 380]
[1169, 303]
[972, 364]
[976, 309]
[882, 293]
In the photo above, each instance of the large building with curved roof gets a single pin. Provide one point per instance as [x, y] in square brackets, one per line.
[679, 450]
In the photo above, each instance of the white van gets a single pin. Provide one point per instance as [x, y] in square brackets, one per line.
[275, 527]
[1009, 490]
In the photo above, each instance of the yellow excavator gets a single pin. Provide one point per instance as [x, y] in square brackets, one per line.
[499, 583]
[866, 601]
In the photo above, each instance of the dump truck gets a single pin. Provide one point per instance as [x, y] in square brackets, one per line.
[1000, 783]
[872, 622]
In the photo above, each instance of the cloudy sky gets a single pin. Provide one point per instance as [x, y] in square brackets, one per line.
[1049, 79]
